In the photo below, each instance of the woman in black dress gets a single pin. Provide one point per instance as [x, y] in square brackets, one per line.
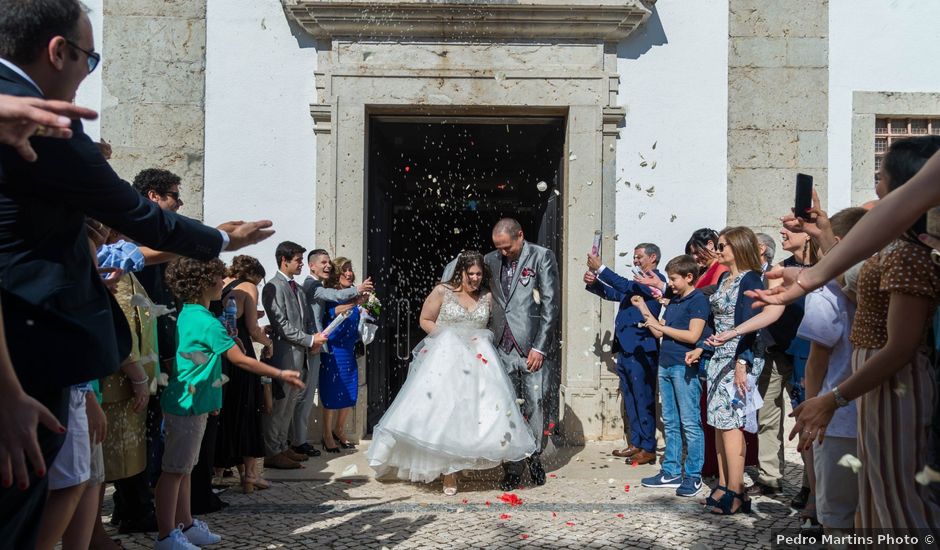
[239, 441]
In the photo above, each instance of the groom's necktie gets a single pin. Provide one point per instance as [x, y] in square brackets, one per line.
[507, 342]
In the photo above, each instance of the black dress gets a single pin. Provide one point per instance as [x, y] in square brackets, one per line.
[239, 433]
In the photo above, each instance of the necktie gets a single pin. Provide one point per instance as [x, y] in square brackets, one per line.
[293, 286]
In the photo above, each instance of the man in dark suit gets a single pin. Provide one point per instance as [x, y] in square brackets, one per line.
[61, 324]
[637, 360]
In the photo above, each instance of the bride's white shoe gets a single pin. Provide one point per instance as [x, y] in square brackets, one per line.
[450, 490]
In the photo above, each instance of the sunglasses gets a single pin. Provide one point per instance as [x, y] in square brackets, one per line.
[93, 57]
[721, 246]
[173, 195]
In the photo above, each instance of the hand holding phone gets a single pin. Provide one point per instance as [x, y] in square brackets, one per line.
[804, 197]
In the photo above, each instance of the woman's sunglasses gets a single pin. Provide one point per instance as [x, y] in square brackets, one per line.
[721, 246]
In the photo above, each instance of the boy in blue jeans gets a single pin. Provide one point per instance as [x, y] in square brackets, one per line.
[679, 385]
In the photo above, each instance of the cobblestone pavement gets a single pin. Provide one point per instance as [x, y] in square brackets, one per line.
[590, 501]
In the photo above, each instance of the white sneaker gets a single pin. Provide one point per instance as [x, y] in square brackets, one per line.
[199, 534]
[176, 540]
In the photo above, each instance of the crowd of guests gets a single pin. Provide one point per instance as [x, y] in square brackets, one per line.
[848, 332]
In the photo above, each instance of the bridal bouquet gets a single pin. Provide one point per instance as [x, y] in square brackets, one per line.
[373, 306]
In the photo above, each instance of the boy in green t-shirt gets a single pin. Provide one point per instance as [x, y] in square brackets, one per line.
[194, 391]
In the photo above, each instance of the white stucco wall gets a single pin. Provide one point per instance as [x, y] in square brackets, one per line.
[259, 83]
[874, 46]
[674, 84]
[89, 93]
[260, 149]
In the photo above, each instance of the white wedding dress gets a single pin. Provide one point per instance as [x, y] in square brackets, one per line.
[457, 409]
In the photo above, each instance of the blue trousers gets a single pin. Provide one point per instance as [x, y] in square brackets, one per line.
[637, 372]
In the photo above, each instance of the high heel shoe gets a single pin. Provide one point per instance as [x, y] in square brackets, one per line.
[727, 501]
[334, 450]
[345, 444]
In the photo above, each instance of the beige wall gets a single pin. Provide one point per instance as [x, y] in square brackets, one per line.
[778, 80]
[153, 90]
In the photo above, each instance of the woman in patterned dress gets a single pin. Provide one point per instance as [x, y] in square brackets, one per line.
[734, 366]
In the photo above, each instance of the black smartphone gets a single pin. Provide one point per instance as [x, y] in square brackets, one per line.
[804, 196]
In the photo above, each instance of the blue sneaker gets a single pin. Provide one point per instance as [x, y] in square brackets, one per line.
[690, 487]
[662, 481]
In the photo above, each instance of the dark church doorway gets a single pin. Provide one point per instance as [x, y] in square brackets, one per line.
[436, 186]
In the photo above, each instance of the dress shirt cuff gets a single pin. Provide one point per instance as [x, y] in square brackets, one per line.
[225, 240]
[539, 351]
[599, 271]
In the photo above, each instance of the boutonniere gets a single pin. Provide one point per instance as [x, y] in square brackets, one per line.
[526, 275]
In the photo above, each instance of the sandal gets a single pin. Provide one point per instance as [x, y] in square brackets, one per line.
[727, 501]
[329, 449]
[710, 501]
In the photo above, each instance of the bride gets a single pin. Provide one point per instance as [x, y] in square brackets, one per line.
[457, 409]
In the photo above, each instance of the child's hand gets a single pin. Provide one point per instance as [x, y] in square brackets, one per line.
[292, 377]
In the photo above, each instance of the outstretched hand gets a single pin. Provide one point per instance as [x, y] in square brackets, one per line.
[24, 117]
[242, 234]
[786, 293]
[291, 377]
[812, 416]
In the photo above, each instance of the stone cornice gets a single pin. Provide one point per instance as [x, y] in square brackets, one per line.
[598, 20]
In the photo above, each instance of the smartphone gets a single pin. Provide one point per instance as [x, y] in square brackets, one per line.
[804, 196]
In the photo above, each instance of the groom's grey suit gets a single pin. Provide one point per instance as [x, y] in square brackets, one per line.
[522, 321]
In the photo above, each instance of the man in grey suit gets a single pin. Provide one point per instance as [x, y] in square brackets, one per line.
[524, 283]
[318, 260]
[294, 338]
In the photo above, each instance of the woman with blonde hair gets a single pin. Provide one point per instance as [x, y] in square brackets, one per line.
[339, 370]
[733, 367]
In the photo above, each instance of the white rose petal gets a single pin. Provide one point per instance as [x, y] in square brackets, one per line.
[572, 157]
[927, 475]
[350, 470]
[541, 186]
[900, 389]
[849, 461]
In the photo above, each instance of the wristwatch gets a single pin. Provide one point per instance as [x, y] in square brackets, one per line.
[840, 401]
[742, 362]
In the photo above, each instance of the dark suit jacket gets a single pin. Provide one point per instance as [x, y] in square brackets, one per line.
[62, 325]
[615, 288]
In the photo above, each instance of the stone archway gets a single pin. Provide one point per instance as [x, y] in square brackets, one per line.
[506, 59]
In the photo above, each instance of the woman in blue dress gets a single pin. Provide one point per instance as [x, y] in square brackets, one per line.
[339, 371]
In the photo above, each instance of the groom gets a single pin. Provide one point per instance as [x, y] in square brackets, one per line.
[525, 313]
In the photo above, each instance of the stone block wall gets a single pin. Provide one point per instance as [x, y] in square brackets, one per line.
[153, 90]
[778, 82]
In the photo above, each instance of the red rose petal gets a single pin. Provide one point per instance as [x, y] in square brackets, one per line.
[504, 516]
[484, 360]
[547, 432]
[552, 475]
[465, 501]
[487, 503]
[634, 464]
[523, 536]
[554, 514]
[551, 425]
[511, 499]
[407, 168]
[620, 516]
[626, 488]
[569, 523]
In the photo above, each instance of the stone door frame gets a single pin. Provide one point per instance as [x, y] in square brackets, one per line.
[526, 76]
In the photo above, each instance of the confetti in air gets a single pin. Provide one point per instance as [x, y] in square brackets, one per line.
[541, 186]
[849, 461]
[927, 476]
[572, 157]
